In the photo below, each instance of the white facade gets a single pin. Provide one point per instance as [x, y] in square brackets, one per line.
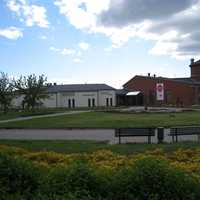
[81, 99]
[104, 98]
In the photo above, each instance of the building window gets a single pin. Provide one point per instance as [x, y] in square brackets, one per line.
[111, 102]
[107, 102]
[89, 102]
[93, 102]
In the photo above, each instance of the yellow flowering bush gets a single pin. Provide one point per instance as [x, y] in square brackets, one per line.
[188, 160]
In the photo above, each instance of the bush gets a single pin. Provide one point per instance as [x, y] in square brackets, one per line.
[154, 179]
[18, 177]
[78, 180]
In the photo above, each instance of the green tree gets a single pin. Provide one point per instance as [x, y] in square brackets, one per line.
[6, 91]
[34, 90]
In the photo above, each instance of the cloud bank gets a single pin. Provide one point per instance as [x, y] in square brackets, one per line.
[172, 25]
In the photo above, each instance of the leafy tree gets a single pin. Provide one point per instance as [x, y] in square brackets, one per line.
[6, 91]
[33, 88]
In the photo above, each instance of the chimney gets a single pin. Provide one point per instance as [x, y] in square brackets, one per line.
[149, 74]
[54, 84]
[192, 61]
[154, 76]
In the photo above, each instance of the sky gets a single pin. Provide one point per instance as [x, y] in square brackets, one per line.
[98, 41]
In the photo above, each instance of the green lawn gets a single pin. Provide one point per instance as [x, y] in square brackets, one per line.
[91, 146]
[15, 113]
[110, 120]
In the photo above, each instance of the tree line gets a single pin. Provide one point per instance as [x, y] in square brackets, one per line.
[32, 88]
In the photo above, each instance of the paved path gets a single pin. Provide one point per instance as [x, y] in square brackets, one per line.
[43, 116]
[58, 134]
[80, 134]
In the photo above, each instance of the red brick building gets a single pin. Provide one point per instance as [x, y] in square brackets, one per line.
[177, 91]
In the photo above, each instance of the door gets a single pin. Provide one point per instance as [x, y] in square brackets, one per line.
[111, 102]
[69, 103]
[73, 103]
[107, 102]
[93, 102]
[89, 102]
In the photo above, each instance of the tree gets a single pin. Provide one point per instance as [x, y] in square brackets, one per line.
[6, 91]
[33, 88]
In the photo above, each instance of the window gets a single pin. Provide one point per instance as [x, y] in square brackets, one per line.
[111, 102]
[93, 102]
[89, 102]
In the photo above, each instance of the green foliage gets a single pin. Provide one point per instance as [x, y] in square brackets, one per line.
[78, 179]
[154, 179]
[150, 178]
[33, 88]
[18, 177]
[6, 91]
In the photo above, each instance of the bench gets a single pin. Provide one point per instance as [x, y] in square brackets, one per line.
[135, 132]
[180, 131]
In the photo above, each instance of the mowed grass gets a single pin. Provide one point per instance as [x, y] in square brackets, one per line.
[16, 114]
[110, 120]
[81, 146]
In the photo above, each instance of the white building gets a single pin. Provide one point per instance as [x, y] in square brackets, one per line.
[77, 95]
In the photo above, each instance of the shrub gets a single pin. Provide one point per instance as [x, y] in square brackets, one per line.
[78, 179]
[18, 177]
[154, 179]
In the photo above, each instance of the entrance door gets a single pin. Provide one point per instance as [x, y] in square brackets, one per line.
[69, 103]
[73, 103]
[89, 102]
[107, 102]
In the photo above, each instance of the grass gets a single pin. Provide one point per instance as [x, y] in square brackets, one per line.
[110, 120]
[16, 113]
[91, 146]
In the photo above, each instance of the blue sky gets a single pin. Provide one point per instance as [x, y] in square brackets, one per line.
[57, 38]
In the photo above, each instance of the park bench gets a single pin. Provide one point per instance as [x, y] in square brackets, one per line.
[135, 132]
[181, 131]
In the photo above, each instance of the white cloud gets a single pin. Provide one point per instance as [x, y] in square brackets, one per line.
[67, 51]
[77, 60]
[30, 14]
[12, 33]
[54, 49]
[64, 51]
[43, 37]
[172, 25]
[84, 46]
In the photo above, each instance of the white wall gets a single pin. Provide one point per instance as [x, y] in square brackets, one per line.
[17, 101]
[104, 94]
[81, 99]
[50, 102]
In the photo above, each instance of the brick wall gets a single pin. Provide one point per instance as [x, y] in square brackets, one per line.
[176, 93]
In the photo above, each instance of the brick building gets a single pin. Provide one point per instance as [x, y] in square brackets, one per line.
[141, 90]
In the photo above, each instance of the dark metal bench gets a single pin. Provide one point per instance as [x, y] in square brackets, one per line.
[135, 132]
[180, 131]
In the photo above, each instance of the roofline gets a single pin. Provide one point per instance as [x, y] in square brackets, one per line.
[82, 90]
[161, 78]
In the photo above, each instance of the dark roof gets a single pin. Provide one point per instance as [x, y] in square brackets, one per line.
[121, 92]
[187, 80]
[79, 88]
[182, 80]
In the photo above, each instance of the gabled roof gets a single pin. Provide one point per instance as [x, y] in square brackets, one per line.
[79, 88]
